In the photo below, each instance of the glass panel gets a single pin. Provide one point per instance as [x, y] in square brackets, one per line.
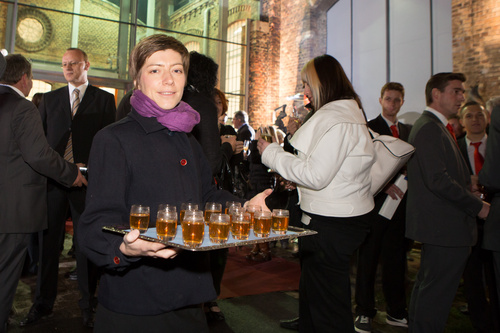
[235, 67]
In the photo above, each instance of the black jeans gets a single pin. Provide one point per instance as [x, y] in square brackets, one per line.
[325, 289]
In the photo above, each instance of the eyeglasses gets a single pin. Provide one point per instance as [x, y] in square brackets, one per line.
[70, 64]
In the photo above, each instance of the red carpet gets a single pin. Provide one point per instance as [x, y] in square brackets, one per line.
[243, 277]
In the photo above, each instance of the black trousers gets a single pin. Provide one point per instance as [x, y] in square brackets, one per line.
[12, 255]
[385, 243]
[59, 201]
[325, 288]
[435, 287]
[218, 260]
[484, 314]
[188, 320]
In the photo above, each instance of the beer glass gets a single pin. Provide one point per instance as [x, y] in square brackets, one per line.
[252, 209]
[280, 221]
[139, 218]
[262, 224]
[210, 208]
[235, 210]
[193, 228]
[240, 225]
[166, 223]
[187, 206]
[229, 204]
[218, 229]
[246, 146]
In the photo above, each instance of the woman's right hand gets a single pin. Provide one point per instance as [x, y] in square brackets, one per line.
[133, 246]
[231, 139]
[293, 125]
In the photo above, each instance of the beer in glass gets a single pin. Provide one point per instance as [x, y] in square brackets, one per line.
[139, 218]
[193, 228]
[187, 206]
[166, 224]
[262, 224]
[240, 225]
[280, 221]
[210, 208]
[218, 229]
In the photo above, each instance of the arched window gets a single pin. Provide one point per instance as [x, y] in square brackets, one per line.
[193, 46]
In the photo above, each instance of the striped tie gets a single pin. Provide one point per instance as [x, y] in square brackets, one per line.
[68, 152]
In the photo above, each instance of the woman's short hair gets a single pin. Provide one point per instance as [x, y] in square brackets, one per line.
[328, 81]
[223, 99]
[151, 44]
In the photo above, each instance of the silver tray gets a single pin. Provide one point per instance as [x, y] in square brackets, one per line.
[207, 245]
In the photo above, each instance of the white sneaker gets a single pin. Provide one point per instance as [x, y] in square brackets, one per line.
[363, 324]
[396, 322]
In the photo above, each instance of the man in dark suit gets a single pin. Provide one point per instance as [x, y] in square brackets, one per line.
[441, 210]
[489, 176]
[27, 160]
[240, 166]
[71, 116]
[387, 237]
[479, 269]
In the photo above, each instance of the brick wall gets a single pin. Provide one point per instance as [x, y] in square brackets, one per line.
[476, 43]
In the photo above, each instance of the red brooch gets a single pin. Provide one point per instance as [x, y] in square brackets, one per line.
[116, 260]
[184, 162]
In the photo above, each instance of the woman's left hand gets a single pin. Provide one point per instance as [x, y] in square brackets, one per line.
[135, 247]
[260, 200]
[262, 145]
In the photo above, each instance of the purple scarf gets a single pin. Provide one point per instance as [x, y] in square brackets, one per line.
[182, 118]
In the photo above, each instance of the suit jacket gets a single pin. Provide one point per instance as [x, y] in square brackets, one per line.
[489, 176]
[462, 144]
[245, 132]
[380, 126]
[26, 159]
[441, 210]
[97, 110]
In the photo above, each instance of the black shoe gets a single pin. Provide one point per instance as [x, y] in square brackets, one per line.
[88, 318]
[71, 251]
[291, 324]
[35, 314]
[213, 312]
[72, 275]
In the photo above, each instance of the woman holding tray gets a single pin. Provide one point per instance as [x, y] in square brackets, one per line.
[149, 158]
[332, 173]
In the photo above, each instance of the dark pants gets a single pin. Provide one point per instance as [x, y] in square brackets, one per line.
[325, 288]
[386, 242]
[218, 260]
[188, 320]
[479, 269]
[59, 201]
[435, 287]
[12, 255]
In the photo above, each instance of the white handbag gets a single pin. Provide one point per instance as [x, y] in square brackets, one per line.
[391, 154]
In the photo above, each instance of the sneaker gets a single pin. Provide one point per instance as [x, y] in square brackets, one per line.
[363, 324]
[396, 322]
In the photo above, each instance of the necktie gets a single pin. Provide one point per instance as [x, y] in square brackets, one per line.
[452, 132]
[68, 152]
[394, 130]
[478, 158]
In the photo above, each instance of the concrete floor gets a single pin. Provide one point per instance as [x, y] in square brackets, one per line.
[258, 313]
